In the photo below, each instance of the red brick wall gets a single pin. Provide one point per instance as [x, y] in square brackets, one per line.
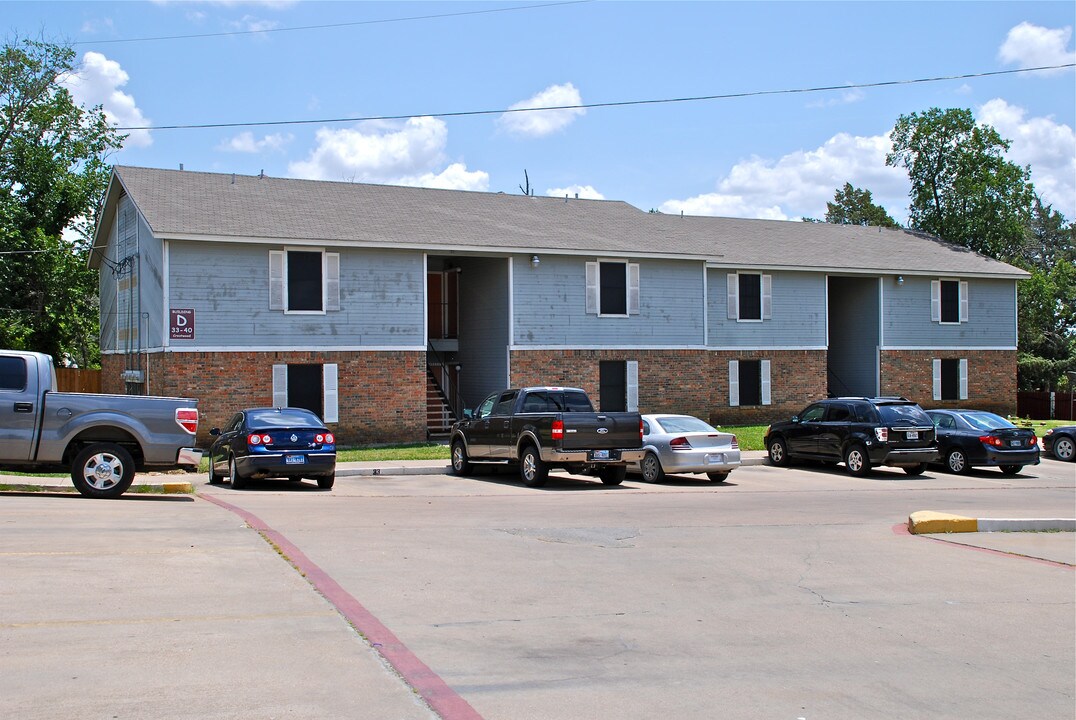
[991, 378]
[382, 395]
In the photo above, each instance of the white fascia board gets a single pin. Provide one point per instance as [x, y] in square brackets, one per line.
[940, 348]
[1015, 275]
[295, 348]
[751, 348]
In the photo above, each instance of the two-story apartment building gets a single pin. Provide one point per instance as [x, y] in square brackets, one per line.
[369, 303]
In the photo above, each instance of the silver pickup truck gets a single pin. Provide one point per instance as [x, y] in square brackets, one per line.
[103, 439]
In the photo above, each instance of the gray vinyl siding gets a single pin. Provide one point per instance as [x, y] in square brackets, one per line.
[381, 299]
[549, 305]
[991, 315]
[483, 330]
[132, 253]
[798, 315]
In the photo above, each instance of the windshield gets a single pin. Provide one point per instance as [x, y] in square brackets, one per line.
[986, 421]
[903, 415]
[284, 417]
[683, 423]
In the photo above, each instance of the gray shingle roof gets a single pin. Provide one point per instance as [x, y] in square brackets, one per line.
[214, 206]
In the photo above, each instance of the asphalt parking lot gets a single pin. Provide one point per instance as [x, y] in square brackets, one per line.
[781, 594]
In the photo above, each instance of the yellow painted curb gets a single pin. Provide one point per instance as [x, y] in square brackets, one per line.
[178, 488]
[928, 521]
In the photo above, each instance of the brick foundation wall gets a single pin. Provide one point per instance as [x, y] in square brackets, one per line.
[382, 395]
[694, 382]
[991, 378]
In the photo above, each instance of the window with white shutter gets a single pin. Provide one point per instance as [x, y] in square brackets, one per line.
[948, 301]
[750, 297]
[304, 281]
[612, 288]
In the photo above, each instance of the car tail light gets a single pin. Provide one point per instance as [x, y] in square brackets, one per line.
[330, 439]
[187, 418]
[991, 440]
[258, 439]
[640, 429]
[558, 430]
[324, 439]
[882, 433]
[680, 443]
[735, 443]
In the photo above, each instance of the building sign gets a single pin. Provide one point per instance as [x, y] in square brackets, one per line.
[182, 324]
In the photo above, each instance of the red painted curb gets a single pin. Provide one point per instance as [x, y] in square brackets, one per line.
[902, 529]
[435, 691]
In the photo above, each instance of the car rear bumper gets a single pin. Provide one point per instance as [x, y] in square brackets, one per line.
[1009, 457]
[584, 457]
[189, 456]
[275, 465]
[700, 461]
[903, 456]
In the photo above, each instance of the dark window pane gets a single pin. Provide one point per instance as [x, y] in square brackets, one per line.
[614, 288]
[950, 379]
[304, 281]
[750, 297]
[613, 396]
[950, 301]
[304, 387]
[750, 382]
[12, 373]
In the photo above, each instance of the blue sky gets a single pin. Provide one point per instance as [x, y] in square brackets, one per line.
[776, 155]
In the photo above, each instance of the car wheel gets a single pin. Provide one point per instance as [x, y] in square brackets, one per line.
[652, 470]
[613, 475]
[856, 461]
[1064, 448]
[238, 481]
[103, 470]
[326, 483]
[915, 469]
[956, 461]
[1011, 469]
[717, 477]
[532, 468]
[214, 478]
[778, 451]
[461, 465]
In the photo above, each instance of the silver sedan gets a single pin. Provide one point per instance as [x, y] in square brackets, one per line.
[678, 444]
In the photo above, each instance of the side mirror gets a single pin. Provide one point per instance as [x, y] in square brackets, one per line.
[468, 413]
[214, 432]
[795, 418]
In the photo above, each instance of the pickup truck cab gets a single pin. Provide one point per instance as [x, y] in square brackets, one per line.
[540, 428]
[103, 439]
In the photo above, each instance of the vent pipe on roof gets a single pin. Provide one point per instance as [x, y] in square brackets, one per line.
[565, 197]
[577, 196]
[181, 166]
[262, 173]
[233, 178]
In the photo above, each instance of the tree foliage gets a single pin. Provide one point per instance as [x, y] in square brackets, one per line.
[963, 189]
[853, 206]
[52, 174]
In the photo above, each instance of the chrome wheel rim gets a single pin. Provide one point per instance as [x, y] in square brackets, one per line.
[529, 469]
[777, 452]
[102, 471]
[650, 468]
[855, 461]
[956, 462]
[457, 457]
[1064, 448]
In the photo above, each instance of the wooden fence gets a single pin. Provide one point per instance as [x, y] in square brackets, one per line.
[1044, 405]
[78, 380]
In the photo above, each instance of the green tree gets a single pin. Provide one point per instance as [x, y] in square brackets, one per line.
[1049, 238]
[52, 174]
[963, 189]
[853, 206]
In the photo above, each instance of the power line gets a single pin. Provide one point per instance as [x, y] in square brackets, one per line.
[589, 106]
[330, 25]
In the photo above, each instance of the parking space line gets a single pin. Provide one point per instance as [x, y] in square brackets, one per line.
[435, 691]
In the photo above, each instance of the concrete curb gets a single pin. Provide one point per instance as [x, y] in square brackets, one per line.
[925, 522]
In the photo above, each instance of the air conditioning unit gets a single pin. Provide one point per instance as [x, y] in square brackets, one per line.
[132, 376]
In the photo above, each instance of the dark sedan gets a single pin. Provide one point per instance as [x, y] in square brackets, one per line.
[273, 442]
[1060, 442]
[974, 438]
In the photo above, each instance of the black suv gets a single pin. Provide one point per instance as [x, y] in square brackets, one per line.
[860, 432]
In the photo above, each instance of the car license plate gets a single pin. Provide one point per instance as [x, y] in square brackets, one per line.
[913, 435]
[599, 455]
[1016, 443]
[718, 459]
[294, 460]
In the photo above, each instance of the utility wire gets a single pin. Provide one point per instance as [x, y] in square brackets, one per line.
[588, 106]
[331, 25]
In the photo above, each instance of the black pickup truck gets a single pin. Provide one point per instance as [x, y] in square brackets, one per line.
[540, 428]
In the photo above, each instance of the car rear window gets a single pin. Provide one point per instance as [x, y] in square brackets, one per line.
[285, 417]
[684, 424]
[903, 415]
[986, 421]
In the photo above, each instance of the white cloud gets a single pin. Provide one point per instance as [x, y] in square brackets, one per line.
[584, 192]
[847, 97]
[97, 82]
[1029, 46]
[249, 23]
[1047, 146]
[388, 152]
[543, 122]
[245, 142]
[801, 183]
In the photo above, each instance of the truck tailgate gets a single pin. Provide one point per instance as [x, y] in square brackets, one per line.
[600, 431]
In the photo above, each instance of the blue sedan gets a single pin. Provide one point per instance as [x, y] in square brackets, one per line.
[975, 438]
[273, 442]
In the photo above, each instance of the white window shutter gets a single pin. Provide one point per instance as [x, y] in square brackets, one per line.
[332, 281]
[764, 377]
[592, 288]
[276, 280]
[963, 301]
[734, 383]
[633, 288]
[937, 378]
[935, 300]
[280, 386]
[331, 386]
[767, 299]
[632, 372]
[963, 378]
[734, 296]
